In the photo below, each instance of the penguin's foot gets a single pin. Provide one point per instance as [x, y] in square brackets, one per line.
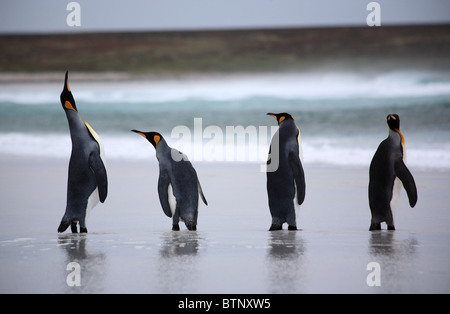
[293, 228]
[375, 226]
[83, 230]
[175, 227]
[191, 226]
[63, 226]
[274, 227]
[390, 227]
[73, 227]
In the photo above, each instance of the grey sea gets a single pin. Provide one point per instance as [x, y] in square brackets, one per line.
[342, 116]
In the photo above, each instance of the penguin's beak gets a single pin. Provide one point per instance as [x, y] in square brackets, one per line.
[66, 82]
[139, 132]
[66, 95]
[276, 118]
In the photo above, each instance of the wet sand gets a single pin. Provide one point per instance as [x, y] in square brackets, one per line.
[131, 249]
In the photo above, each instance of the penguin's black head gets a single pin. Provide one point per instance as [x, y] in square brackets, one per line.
[281, 116]
[393, 121]
[66, 97]
[152, 137]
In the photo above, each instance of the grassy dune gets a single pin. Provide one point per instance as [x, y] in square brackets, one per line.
[177, 53]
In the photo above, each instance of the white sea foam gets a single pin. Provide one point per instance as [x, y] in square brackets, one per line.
[59, 146]
[315, 151]
[22, 144]
[283, 86]
[29, 130]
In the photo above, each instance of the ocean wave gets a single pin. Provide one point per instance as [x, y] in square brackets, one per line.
[315, 151]
[307, 86]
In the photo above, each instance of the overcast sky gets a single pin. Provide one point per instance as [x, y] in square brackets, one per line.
[49, 16]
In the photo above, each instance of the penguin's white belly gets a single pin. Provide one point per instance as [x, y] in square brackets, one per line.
[300, 150]
[300, 154]
[296, 205]
[395, 195]
[93, 200]
[172, 200]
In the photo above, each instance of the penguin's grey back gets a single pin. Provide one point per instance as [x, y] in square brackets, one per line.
[183, 178]
[284, 141]
[382, 164]
[384, 187]
[281, 181]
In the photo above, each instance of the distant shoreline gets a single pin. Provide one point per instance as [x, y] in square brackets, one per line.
[125, 56]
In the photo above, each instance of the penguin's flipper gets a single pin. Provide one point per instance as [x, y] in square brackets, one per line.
[403, 173]
[99, 170]
[163, 192]
[201, 193]
[299, 176]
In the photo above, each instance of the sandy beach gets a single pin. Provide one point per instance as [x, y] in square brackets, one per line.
[131, 249]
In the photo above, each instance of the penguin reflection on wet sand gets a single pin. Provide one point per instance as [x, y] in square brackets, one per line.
[178, 184]
[285, 175]
[387, 174]
[87, 182]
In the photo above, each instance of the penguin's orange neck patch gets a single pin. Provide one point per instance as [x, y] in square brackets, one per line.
[156, 138]
[281, 119]
[401, 136]
[68, 105]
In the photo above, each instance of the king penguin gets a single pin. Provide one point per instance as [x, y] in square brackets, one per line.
[178, 184]
[387, 174]
[285, 175]
[87, 181]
